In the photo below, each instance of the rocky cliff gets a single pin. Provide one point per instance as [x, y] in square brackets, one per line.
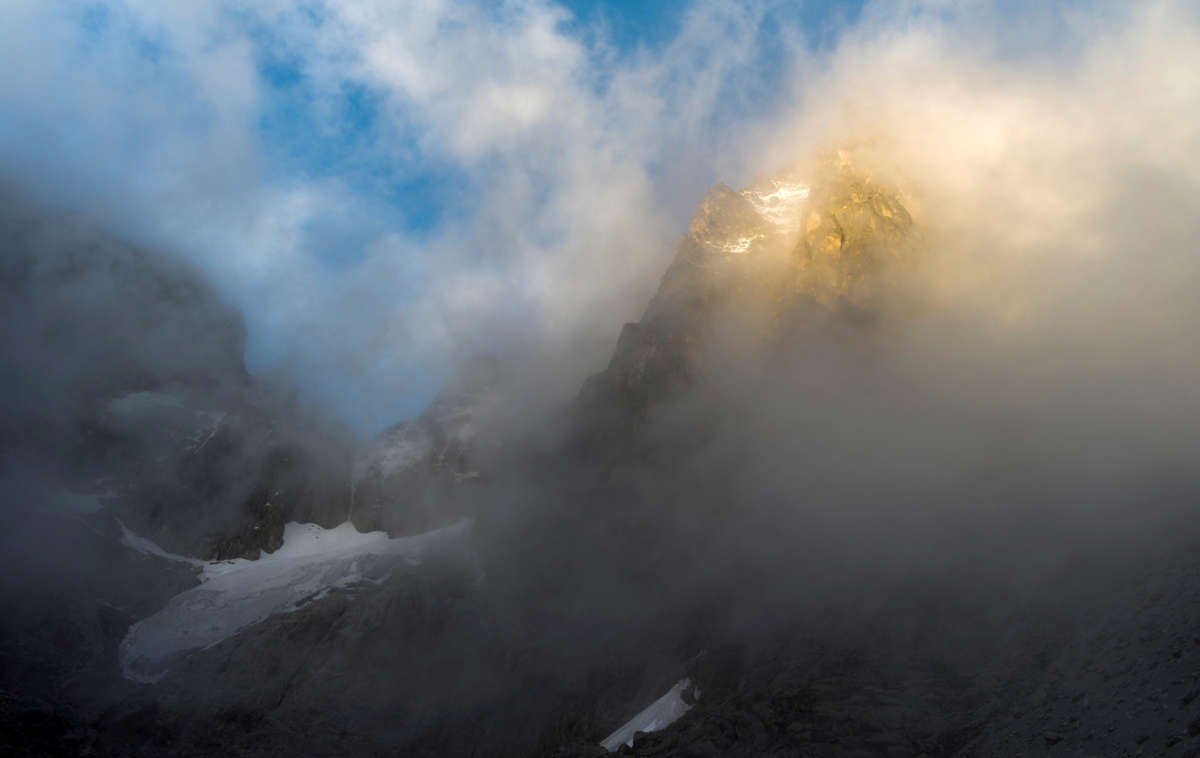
[126, 382]
[781, 256]
[418, 474]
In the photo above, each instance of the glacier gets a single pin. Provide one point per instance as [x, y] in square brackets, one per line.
[235, 594]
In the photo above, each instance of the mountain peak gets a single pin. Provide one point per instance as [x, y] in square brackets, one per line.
[855, 227]
[785, 249]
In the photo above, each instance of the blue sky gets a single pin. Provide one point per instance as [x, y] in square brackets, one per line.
[629, 24]
[416, 191]
[383, 188]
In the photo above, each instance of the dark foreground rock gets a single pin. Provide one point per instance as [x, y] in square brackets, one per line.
[433, 661]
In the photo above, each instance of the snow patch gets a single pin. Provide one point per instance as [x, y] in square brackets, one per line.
[741, 245]
[239, 593]
[780, 203]
[658, 715]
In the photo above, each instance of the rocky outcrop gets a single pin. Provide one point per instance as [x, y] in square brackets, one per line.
[758, 265]
[418, 474]
[85, 318]
[217, 481]
[855, 228]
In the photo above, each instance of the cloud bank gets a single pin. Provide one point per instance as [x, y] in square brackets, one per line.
[385, 188]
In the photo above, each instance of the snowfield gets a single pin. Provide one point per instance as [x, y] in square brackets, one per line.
[658, 715]
[236, 594]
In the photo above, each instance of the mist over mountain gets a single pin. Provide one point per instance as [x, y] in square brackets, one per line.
[887, 448]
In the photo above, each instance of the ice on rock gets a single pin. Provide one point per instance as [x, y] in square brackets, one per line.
[658, 715]
[737, 223]
[741, 245]
[780, 203]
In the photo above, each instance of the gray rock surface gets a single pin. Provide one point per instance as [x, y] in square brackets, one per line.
[127, 380]
[419, 473]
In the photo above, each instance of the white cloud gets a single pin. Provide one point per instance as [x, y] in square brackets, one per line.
[579, 164]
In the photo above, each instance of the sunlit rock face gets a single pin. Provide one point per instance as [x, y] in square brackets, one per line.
[779, 200]
[416, 474]
[766, 214]
[855, 228]
[728, 222]
[787, 252]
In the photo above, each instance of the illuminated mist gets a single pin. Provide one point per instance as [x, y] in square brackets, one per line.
[770, 389]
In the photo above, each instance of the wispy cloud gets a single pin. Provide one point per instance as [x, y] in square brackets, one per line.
[550, 159]
[382, 186]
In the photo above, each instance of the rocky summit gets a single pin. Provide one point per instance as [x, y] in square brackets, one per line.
[781, 254]
[854, 229]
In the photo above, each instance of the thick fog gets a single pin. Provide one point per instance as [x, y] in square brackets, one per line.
[1012, 411]
[1019, 412]
[511, 182]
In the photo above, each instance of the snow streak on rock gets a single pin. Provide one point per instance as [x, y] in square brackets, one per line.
[779, 202]
[239, 593]
[147, 547]
[741, 245]
[658, 715]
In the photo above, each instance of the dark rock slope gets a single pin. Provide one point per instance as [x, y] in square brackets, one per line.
[125, 380]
